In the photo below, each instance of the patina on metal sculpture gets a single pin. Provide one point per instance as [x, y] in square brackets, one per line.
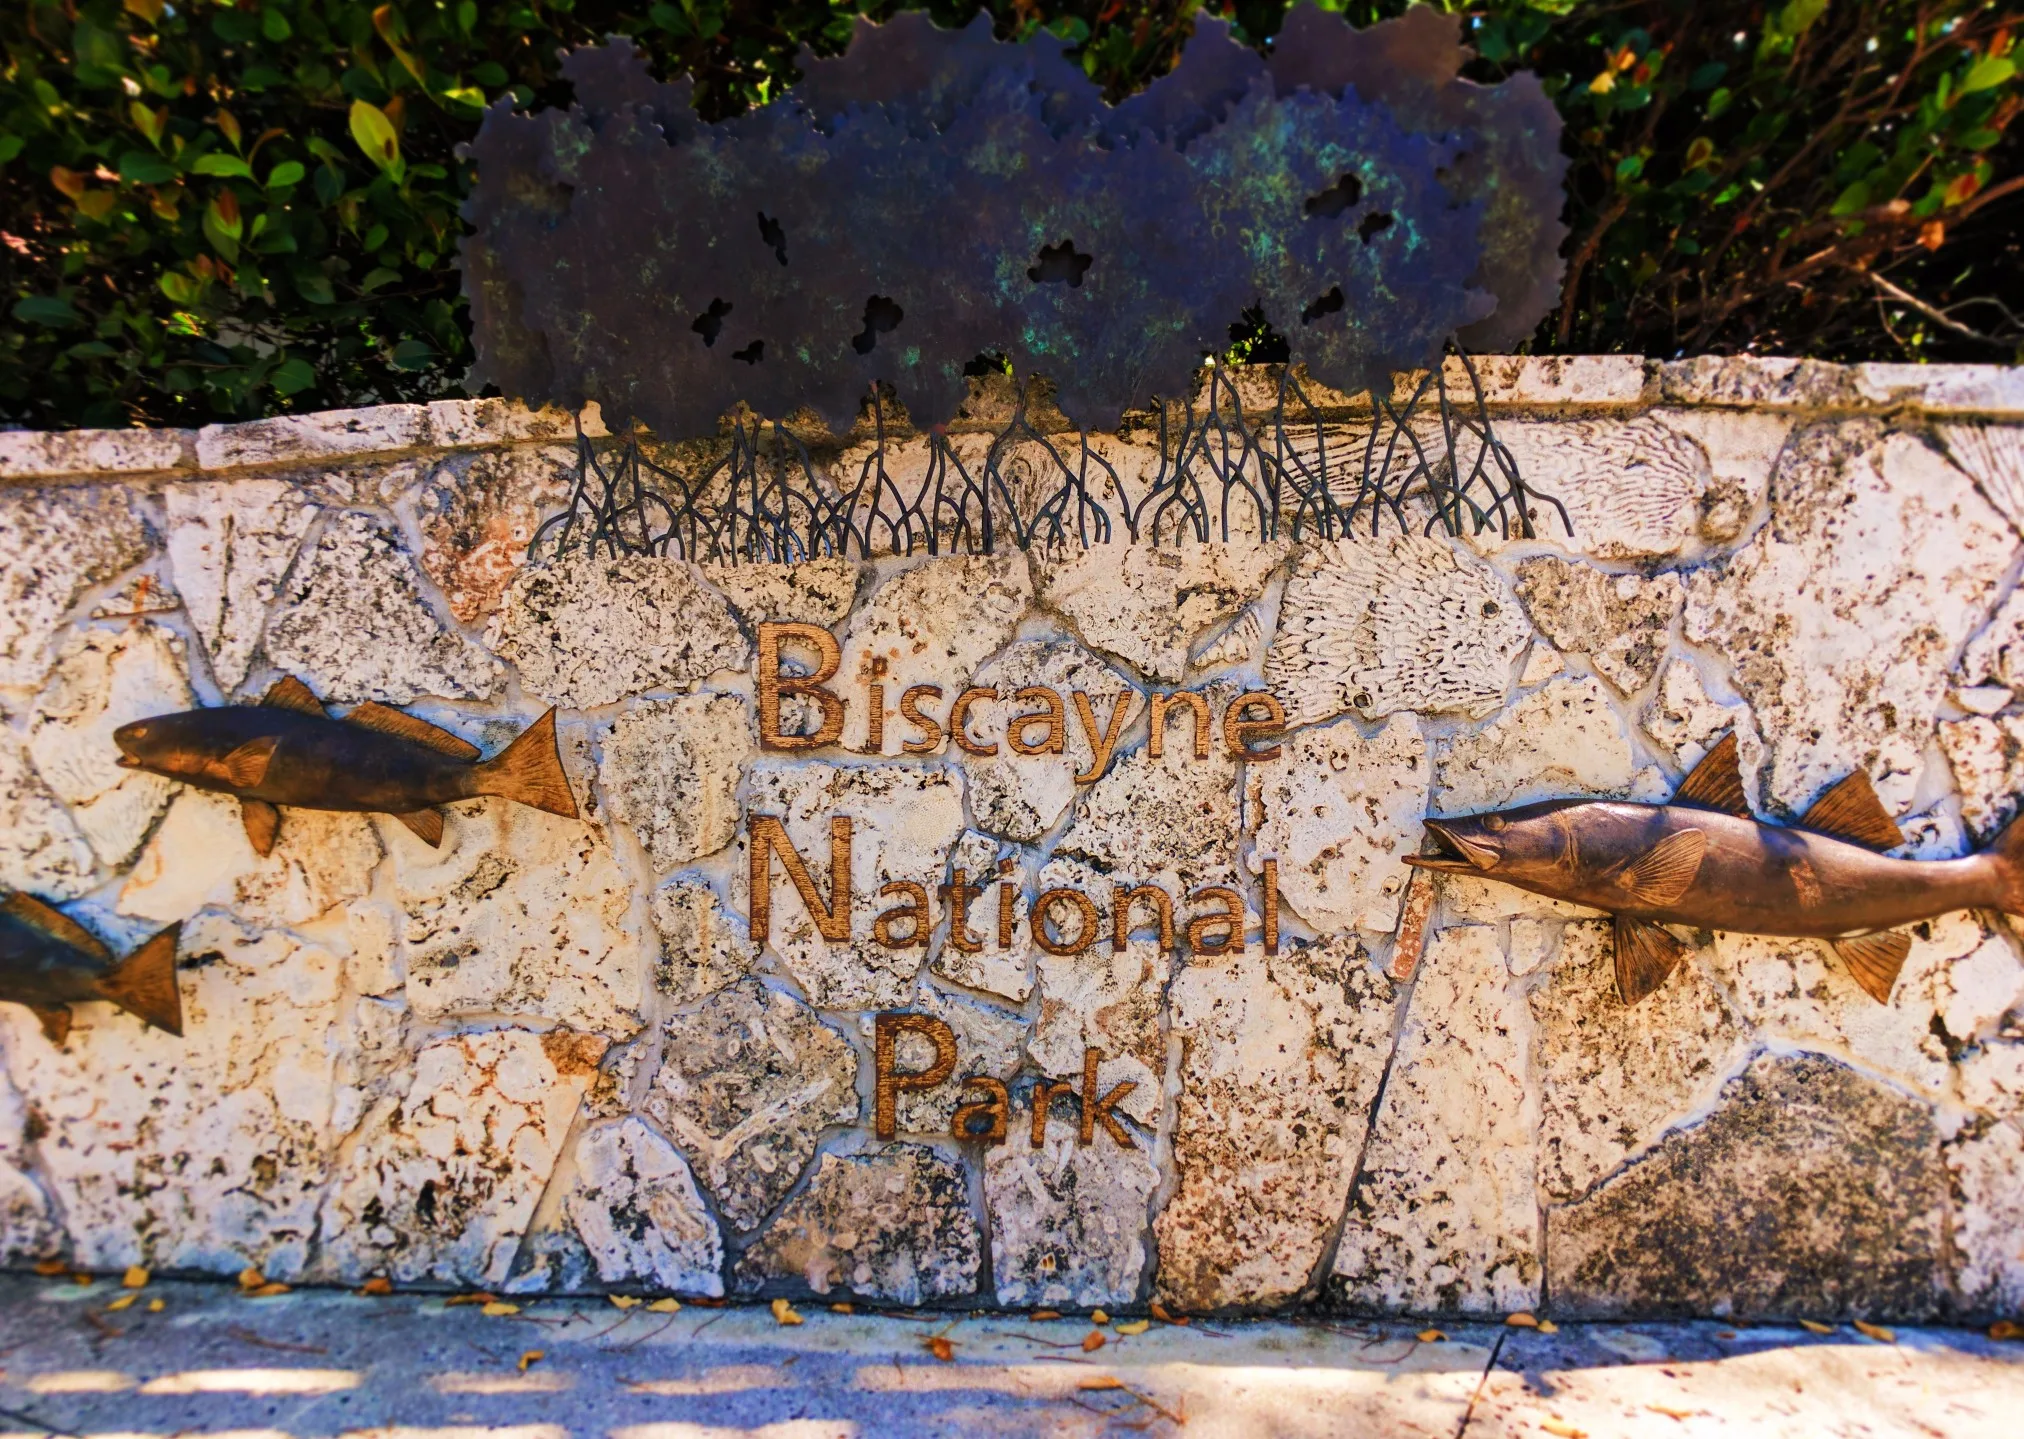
[934, 196]
[1705, 861]
[287, 750]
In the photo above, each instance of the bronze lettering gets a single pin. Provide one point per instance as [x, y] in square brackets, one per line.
[773, 684]
[1098, 1111]
[1008, 891]
[957, 894]
[1123, 897]
[875, 706]
[1230, 920]
[1269, 909]
[1101, 744]
[914, 912]
[1238, 732]
[995, 1111]
[768, 837]
[930, 727]
[1055, 717]
[1085, 910]
[888, 1079]
[1196, 704]
[1044, 1095]
[959, 716]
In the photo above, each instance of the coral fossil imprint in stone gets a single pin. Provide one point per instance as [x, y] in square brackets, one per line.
[288, 750]
[1705, 861]
[50, 962]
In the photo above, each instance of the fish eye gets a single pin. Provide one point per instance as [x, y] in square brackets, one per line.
[139, 731]
[1494, 823]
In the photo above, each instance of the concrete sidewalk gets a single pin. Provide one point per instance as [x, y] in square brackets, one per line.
[310, 1364]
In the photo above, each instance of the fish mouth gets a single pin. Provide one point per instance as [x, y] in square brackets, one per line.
[127, 761]
[1457, 854]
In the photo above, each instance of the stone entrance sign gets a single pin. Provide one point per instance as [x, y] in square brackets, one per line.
[1034, 928]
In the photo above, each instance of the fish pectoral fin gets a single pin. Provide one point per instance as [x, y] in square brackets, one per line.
[56, 924]
[246, 766]
[1851, 811]
[1874, 960]
[1717, 781]
[1666, 871]
[263, 823]
[290, 693]
[387, 720]
[55, 1021]
[1645, 955]
[427, 825]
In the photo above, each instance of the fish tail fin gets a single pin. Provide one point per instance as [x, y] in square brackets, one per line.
[529, 771]
[2007, 850]
[144, 983]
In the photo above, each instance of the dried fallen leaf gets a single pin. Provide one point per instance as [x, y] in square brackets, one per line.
[251, 1278]
[1876, 1332]
[625, 1301]
[82, 1281]
[783, 1313]
[1136, 1326]
[843, 1308]
[531, 1358]
[1521, 1320]
[1097, 1316]
[267, 1291]
[1814, 1327]
[1100, 1383]
[1045, 1314]
[2006, 1329]
[1159, 1312]
[1680, 1414]
[376, 1287]
[499, 1309]
[1547, 1326]
[123, 1302]
[1725, 1334]
[942, 1349]
[665, 1306]
[135, 1278]
[478, 1298]
[1431, 1336]
[156, 1306]
[1563, 1429]
[1092, 1341]
[50, 1268]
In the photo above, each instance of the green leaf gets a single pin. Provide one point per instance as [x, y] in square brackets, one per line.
[98, 48]
[315, 288]
[138, 167]
[1718, 102]
[1980, 139]
[377, 137]
[229, 166]
[292, 376]
[377, 278]
[10, 146]
[1855, 197]
[288, 172]
[180, 287]
[413, 354]
[274, 25]
[1630, 167]
[1987, 73]
[51, 311]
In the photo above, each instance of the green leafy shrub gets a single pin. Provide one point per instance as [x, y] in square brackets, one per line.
[220, 209]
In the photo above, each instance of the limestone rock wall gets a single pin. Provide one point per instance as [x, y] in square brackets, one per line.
[548, 1055]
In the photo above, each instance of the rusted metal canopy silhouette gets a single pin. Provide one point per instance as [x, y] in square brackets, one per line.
[932, 195]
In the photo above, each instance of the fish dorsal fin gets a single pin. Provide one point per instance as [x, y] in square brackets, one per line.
[1665, 871]
[1851, 811]
[1645, 955]
[1874, 960]
[387, 720]
[1717, 781]
[246, 766]
[290, 693]
[54, 923]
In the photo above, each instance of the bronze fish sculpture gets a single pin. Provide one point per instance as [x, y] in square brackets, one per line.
[288, 750]
[48, 961]
[1703, 860]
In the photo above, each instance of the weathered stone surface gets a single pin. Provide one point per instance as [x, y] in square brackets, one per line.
[1466, 899]
[1023, 797]
[1621, 622]
[442, 1179]
[1632, 487]
[519, 912]
[41, 848]
[932, 624]
[55, 544]
[587, 631]
[989, 1041]
[1992, 1078]
[1103, 999]
[1841, 618]
[27, 1227]
[1068, 1221]
[1994, 456]
[1237, 645]
[1401, 623]
[102, 680]
[704, 946]
[359, 582]
[1987, 758]
[1613, 1077]
[893, 1224]
[1147, 604]
[671, 770]
[1560, 741]
[1986, 1163]
[230, 543]
[477, 513]
[904, 822]
[1175, 812]
[1996, 655]
[1008, 971]
[1340, 812]
[1742, 446]
[745, 1087]
[199, 855]
[1809, 1190]
[635, 1207]
[208, 1151]
[814, 592]
[1685, 723]
[1445, 1216]
[1280, 1063]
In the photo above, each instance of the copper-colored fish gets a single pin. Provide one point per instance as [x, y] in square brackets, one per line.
[287, 750]
[49, 962]
[1705, 861]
